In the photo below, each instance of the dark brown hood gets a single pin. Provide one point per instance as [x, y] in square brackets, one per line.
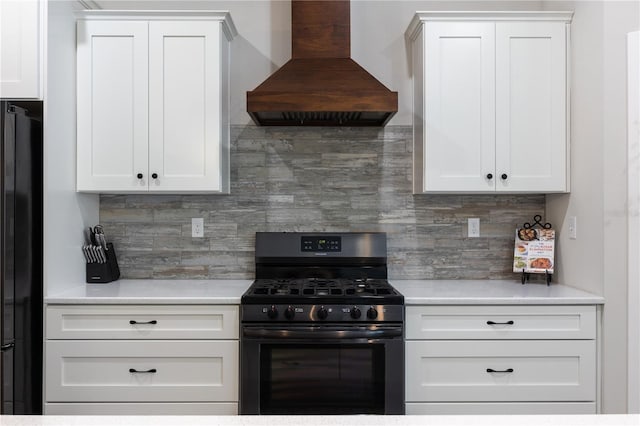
[321, 85]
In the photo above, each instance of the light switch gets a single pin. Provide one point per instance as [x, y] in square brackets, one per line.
[573, 231]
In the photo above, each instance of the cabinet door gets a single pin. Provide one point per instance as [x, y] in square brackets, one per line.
[112, 106]
[20, 34]
[185, 105]
[531, 109]
[459, 107]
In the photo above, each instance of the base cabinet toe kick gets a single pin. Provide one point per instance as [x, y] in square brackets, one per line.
[501, 359]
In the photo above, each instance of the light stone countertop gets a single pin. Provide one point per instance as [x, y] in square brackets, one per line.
[416, 292]
[505, 420]
[491, 292]
[209, 292]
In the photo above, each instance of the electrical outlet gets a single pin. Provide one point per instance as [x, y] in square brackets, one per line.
[197, 227]
[473, 227]
[573, 228]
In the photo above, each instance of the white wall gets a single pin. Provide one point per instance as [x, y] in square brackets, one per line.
[596, 261]
[633, 154]
[581, 264]
[264, 41]
[619, 19]
[65, 212]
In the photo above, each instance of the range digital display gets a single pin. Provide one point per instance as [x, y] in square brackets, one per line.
[321, 244]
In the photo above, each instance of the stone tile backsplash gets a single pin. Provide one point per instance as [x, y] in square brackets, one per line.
[316, 179]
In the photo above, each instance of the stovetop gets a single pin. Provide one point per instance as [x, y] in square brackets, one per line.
[322, 290]
[321, 277]
[322, 287]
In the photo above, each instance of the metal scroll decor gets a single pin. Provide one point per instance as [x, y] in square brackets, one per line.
[534, 249]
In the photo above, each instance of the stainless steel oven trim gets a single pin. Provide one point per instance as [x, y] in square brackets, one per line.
[341, 332]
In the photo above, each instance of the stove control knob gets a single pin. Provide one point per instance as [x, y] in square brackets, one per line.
[323, 313]
[272, 312]
[290, 312]
[372, 313]
[355, 312]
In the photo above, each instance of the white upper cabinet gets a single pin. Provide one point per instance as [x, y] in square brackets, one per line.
[21, 48]
[153, 102]
[490, 102]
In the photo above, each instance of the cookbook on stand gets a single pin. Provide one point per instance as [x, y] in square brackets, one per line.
[534, 251]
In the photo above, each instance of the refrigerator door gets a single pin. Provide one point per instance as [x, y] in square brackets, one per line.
[21, 258]
[27, 274]
[7, 236]
[6, 363]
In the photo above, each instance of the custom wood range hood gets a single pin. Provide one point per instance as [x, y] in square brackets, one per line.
[321, 85]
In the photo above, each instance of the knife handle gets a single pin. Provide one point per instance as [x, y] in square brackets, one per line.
[102, 241]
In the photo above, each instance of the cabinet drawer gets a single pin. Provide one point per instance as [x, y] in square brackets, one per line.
[142, 322]
[544, 370]
[500, 322]
[99, 371]
[142, 409]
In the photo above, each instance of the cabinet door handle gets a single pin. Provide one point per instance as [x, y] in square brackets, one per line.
[143, 322]
[504, 176]
[500, 323]
[152, 370]
[7, 346]
[489, 176]
[154, 176]
[491, 370]
[139, 175]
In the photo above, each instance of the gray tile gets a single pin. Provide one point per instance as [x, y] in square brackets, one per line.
[317, 179]
[125, 215]
[180, 272]
[153, 230]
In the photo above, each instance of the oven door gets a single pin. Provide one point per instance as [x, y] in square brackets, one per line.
[328, 369]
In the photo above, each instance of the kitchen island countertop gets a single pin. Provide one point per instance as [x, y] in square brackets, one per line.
[416, 292]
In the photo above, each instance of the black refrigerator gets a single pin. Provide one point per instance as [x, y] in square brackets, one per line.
[21, 257]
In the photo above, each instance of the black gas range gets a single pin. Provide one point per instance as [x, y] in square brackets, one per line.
[322, 328]
[322, 299]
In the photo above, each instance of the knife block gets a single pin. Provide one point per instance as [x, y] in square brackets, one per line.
[100, 273]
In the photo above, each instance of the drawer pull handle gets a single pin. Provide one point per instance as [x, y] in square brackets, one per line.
[143, 322]
[153, 370]
[499, 323]
[491, 370]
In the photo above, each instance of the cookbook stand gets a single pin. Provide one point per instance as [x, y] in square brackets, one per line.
[536, 223]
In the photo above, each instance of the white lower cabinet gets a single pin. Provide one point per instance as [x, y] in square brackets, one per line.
[100, 374]
[511, 360]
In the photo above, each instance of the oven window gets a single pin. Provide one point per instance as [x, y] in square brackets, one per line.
[322, 379]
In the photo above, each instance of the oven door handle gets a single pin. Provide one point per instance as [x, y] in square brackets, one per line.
[376, 332]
